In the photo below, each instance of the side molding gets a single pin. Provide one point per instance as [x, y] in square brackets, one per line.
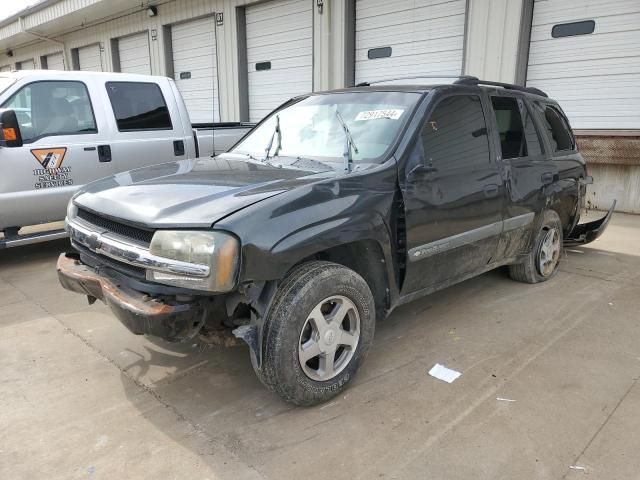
[472, 236]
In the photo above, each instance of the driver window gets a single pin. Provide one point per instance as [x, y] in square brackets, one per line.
[52, 108]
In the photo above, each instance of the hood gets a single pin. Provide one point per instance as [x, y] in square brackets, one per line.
[189, 193]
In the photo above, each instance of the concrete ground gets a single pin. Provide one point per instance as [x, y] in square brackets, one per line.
[549, 386]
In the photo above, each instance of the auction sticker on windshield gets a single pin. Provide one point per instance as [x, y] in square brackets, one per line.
[391, 113]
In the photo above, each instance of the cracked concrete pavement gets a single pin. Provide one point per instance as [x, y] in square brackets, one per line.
[83, 398]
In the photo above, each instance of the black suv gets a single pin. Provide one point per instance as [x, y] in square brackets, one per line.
[338, 207]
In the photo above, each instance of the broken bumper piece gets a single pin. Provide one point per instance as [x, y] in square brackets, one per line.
[584, 233]
[141, 314]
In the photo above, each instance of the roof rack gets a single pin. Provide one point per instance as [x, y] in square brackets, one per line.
[459, 77]
[469, 80]
[463, 80]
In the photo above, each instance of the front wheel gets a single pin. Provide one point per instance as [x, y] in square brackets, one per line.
[542, 262]
[317, 332]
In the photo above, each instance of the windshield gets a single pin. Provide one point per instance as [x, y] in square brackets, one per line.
[6, 82]
[312, 127]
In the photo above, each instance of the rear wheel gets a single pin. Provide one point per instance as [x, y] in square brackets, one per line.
[543, 261]
[317, 332]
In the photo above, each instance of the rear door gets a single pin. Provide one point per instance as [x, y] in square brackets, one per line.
[143, 129]
[453, 194]
[529, 171]
[61, 135]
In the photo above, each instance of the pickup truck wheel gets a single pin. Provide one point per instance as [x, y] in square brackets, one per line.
[317, 332]
[543, 261]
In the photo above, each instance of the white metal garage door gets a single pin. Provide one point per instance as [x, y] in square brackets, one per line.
[90, 58]
[279, 53]
[195, 68]
[595, 76]
[5, 68]
[134, 54]
[396, 38]
[27, 65]
[55, 61]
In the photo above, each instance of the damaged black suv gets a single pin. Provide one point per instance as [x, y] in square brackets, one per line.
[338, 207]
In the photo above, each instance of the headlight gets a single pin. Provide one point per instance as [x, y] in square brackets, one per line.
[217, 250]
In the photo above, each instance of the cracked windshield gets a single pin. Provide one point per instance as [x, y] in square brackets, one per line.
[329, 128]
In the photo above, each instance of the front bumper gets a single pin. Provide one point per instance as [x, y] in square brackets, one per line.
[141, 314]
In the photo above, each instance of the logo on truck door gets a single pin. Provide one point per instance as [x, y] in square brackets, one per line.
[49, 157]
[52, 174]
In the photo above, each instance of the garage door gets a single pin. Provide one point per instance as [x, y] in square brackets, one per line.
[195, 68]
[396, 38]
[26, 65]
[90, 59]
[279, 53]
[55, 61]
[134, 54]
[5, 68]
[586, 54]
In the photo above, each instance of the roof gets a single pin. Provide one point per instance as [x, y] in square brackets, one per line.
[76, 74]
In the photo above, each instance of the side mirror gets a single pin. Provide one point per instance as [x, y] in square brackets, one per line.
[10, 135]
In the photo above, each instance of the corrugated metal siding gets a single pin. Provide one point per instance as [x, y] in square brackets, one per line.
[596, 77]
[134, 55]
[279, 32]
[426, 37]
[492, 39]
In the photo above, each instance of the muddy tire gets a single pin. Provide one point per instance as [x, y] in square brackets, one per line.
[317, 332]
[542, 262]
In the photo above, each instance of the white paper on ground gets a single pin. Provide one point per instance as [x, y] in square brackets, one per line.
[443, 373]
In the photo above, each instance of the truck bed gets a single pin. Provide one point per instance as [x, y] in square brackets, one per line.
[223, 135]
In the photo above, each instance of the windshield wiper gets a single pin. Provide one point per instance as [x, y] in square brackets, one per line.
[277, 132]
[349, 143]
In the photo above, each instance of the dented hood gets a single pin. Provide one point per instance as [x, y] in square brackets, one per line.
[189, 193]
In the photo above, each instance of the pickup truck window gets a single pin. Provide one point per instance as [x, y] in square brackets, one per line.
[311, 127]
[455, 136]
[51, 108]
[518, 136]
[556, 127]
[138, 106]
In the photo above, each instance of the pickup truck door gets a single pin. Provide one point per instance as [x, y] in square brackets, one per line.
[453, 194]
[146, 126]
[62, 138]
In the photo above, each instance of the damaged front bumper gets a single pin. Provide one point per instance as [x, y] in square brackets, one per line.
[140, 313]
[584, 233]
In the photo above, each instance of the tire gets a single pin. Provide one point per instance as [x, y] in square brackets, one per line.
[325, 290]
[530, 269]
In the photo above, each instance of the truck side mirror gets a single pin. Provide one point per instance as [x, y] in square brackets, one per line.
[10, 135]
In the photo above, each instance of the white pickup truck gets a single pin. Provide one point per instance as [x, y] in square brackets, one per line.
[62, 130]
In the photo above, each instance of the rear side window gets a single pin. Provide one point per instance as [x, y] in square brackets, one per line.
[52, 108]
[455, 136]
[518, 135]
[556, 127]
[138, 106]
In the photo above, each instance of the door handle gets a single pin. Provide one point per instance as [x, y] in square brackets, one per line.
[421, 169]
[491, 191]
[104, 153]
[546, 178]
[178, 148]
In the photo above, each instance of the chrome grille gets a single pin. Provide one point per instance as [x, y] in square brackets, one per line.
[137, 235]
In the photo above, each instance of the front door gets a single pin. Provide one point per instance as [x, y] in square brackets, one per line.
[453, 193]
[60, 152]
